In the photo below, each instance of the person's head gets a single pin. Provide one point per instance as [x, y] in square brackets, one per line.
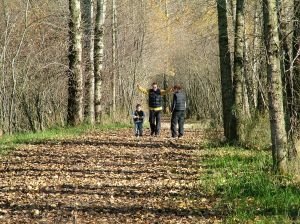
[177, 88]
[138, 107]
[154, 86]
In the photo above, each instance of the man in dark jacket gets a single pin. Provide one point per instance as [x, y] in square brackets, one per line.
[178, 112]
[155, 106]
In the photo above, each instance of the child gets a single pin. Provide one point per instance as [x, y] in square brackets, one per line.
[138, 118]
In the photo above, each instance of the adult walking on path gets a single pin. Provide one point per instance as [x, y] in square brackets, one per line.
[178, 112]
[155, 106]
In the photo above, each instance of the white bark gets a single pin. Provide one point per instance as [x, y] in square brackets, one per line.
[89, 48]
[98, 57]
[114, 56]
[75, 100]
[239, 66]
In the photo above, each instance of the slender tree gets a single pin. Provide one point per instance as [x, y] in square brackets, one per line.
[75, 87]
[229, 121]
[114, 56]
[99, 55]
[88, 18]
[276, 112]
[239, 66]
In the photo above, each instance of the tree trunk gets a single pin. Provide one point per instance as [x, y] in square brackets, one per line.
[114, 57]
[99, 55]
[229, 121]
[28, 113]
[276, 113]
[250, 80]
[75, 89]
[239, 67]
[88, 17]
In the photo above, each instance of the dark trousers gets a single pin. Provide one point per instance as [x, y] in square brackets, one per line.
[177, 118]
[154, 120]
[138, 126]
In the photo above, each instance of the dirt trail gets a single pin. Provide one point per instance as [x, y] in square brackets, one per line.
[109, 177]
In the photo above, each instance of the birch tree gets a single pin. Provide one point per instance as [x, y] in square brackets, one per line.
[239, 66]
[276, 112]
[99, 55]
[75, 88]
[114, 56]
[88, 18]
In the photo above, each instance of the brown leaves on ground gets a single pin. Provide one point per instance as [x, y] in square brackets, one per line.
[109, 177]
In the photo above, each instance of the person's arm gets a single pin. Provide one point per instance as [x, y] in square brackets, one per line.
[167, 91]
[134, 115]
[143, 115]
[173, 103]
[142, 90]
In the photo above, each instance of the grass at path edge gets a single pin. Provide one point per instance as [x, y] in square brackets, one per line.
[248, 190]
[10, 142]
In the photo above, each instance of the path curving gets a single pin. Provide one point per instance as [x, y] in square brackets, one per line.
[108, 177]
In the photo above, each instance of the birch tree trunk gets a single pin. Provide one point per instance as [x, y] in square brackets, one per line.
[75, 88]
[88, 17]
[276, 112]
[239, 67]
[99, 55]
[114, 57]
[229, 121]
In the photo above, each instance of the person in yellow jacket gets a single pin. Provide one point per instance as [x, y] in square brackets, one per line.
[155, 106]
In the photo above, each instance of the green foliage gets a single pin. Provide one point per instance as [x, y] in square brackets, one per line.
[247, 189]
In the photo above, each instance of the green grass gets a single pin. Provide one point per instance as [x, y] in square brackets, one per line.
[10, 142]
[249, 192]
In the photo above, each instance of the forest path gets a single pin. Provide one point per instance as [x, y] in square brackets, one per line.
[107, 177]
